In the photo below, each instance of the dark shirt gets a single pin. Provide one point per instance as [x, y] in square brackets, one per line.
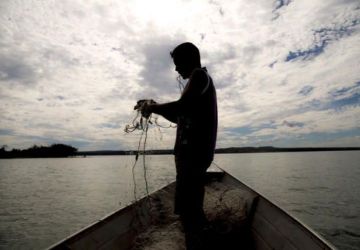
[197, 118]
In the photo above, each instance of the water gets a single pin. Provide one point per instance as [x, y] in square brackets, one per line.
[44, 200]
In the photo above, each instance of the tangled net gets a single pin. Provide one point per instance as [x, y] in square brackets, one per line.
[226, 207]
[141, 122]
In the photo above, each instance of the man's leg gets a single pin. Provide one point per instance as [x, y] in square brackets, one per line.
[189, 198]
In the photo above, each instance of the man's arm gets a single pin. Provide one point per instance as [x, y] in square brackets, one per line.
[167, 110]
[197, 85]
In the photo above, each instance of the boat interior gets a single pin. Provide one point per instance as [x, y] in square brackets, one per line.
[227, 208]
[239, 218]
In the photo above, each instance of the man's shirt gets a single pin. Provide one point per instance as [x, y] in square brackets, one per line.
[197, 118]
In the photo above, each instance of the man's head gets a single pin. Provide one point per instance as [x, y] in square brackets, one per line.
[186, 58]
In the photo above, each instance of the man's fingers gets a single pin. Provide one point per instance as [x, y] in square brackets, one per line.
[141, 101]
[144, 106]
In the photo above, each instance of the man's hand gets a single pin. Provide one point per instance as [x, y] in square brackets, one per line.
[145, 107]
[148, 109]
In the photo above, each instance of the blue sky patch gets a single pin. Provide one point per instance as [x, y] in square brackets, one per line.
[249, 129]
[347, 96]
[306, 90]
[314, 139]
[345, 90]
[322, 38]
[317, 136]
[60, 97]
[109, 125]
[270, 124]
[353, 100]
[78, 144]
[293, 124]
[306, 54]
[281, 3]
[271, 65]
[240, 130]
[339, 98]
[6, 131]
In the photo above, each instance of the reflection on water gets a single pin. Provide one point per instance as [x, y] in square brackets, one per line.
[45, 200]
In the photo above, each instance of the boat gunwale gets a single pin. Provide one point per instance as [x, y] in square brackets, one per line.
[294, 218]
[95, 225]
[108, 217]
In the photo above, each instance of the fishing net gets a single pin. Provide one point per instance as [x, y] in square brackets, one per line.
[225, 206]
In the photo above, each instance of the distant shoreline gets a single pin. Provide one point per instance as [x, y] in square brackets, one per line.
[230, 150]
[220, 150]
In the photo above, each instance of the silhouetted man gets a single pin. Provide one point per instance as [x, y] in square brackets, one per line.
[195, 114]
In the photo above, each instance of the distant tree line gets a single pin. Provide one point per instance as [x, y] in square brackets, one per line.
[55, 150]
[230, 150]
[62, 150]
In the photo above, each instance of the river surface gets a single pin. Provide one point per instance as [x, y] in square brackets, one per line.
[44, 200]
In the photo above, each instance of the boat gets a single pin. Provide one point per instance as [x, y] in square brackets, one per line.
[239, 218]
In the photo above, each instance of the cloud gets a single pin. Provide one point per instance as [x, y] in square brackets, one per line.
[158, 77]
[285, 71]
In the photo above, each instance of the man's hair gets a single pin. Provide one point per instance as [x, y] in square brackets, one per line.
[187, 52]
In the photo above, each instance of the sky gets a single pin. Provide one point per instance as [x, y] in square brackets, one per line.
[287, 72]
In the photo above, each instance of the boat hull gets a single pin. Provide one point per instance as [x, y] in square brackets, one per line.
[267, 225]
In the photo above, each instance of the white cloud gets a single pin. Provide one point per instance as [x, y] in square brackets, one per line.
[72, 70]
